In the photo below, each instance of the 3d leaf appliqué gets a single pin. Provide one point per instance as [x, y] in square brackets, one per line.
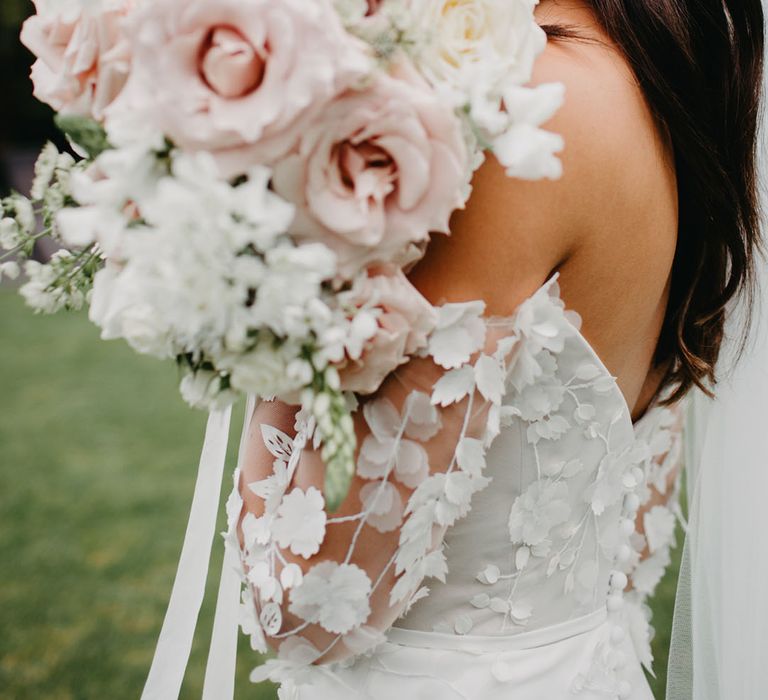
[460, 332]
[423, 417]
[453, 386]
[412, 463]
[382, 418]
[384, 505]
[277, 442]
[489, 375]
[470, 456]
[375, 458]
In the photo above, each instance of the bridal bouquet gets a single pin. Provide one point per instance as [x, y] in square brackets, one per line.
[251, 178]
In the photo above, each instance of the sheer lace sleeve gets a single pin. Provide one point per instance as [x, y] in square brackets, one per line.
[658, 511]
[323, 586]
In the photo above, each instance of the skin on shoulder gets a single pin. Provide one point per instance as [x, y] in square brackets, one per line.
[609, 225]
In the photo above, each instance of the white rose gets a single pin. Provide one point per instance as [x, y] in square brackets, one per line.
[478, 46]
[202, 389]
[121, 313]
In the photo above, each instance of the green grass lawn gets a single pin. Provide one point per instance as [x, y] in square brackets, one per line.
[98, 456]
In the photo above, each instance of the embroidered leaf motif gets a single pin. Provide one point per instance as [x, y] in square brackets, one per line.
[249, 623]
[435, 565]
[490, 574]
[422, 592]
[584, 412]
[271, 618]
[522, 555]
[470, 456]
[520, 612]
[453, 386]
[462, 624]
[604, 384]
[423, 417]
[382, 418]
[460, 332]
[588, 372]
[277, 442]
[291, 576]
[481, 600]
[411, 463]
[375, 456]
[384, 505]
[553, 564]
[499, 605]
[489, 376]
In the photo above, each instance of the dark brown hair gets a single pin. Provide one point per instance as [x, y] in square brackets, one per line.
[699, 64]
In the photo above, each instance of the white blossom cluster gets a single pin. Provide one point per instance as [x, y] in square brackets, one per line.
[255, 176]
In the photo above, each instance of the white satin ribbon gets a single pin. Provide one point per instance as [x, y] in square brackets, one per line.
[219, 681]
[175, 642]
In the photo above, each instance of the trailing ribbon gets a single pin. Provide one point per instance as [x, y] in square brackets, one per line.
[220, 671]
[175, 642]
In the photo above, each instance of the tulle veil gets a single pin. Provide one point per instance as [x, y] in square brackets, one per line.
[719, 647]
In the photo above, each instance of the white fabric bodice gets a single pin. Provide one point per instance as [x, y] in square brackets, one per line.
[541, 541]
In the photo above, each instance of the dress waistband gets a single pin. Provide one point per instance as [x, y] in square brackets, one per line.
[508, 642]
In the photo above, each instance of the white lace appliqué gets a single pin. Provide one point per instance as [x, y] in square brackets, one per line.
[571, 526]
[336, 595]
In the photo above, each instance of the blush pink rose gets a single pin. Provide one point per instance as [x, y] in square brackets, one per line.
[376, 172]
[83, 55]
[238, 78]
[406, 320]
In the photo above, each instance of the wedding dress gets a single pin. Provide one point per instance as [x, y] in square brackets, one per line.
[539, 586]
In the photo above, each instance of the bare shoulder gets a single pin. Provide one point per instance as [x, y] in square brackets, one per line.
[618, 181]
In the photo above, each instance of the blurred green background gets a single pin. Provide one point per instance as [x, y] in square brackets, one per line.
[98, 457]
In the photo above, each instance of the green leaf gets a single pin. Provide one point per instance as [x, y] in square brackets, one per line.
[85, 132]
[337, 437]
[339, 469]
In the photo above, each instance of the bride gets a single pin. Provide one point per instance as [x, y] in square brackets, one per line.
[605, 297]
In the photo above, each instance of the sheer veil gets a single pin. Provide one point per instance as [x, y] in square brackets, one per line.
[720, 632]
